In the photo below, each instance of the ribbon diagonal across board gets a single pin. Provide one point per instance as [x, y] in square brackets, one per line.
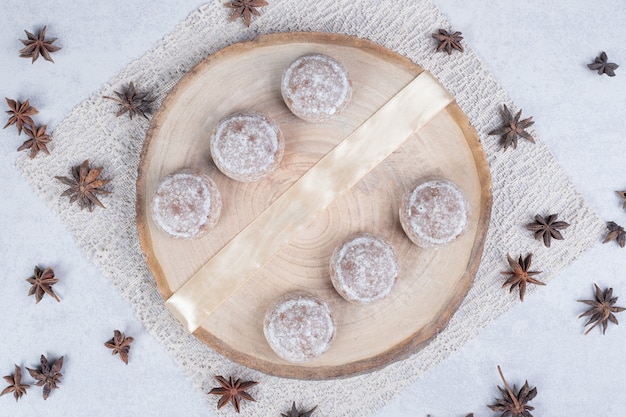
[339, 178]
[334, 174]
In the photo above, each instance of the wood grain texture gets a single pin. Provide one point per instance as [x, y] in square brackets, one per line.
[431, 284]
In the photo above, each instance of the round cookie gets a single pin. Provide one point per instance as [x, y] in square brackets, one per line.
[364, 269]
[247, 146]
[299, 326]
[186, 205]
[434, 213]
[316, 87]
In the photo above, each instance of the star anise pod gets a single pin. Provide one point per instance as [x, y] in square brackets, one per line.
[602, 65]
[547, 228]
[36, 45]
[616, 233]
[512, 404]
[20, 114]
[245, 9]
[520, 276]
[42, 283]
[448, 41]
[294, 412]
[85, 186]
[512, 128]
[233, 391]
[132, 101]
[602, 309]
[38, 140]
[622, 194]
[120, 344]
[15, 384]
[48, 375]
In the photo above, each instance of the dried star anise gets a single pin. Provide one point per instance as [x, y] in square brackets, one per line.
[36, 45]
[233, 391]
[85, 186]
[616, 233]
[622, 194]
[120, 344]
[448, 41]
[132, 101]
[20, 114]
[512, 404]
[245, 9]
[38, 140]
[601, 64]
[602, 309]
[512, 128]
[294, 412]
[47, 375]
[520, 276]
[15, 384]
[547, 228]
[42, 283]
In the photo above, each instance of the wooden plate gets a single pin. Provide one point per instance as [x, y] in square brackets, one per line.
[432, 284]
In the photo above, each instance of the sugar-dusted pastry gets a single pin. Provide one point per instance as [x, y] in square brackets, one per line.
[316, 87]
[187, 204]
[363, 269]
[299, 326]
[246, 146]
[434, 213]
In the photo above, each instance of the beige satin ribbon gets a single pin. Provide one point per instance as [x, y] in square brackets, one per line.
[335, 173]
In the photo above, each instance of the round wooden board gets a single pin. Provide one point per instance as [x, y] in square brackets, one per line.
[432, 283]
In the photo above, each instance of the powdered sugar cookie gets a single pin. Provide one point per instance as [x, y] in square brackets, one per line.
[364, 269]
[299, 326]
[316, 87]
[247, 146]
[434, 213]
[186, 205]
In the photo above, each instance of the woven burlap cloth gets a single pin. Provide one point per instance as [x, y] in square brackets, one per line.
[526, 181]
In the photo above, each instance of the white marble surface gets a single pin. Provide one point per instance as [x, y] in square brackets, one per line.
[537, 49]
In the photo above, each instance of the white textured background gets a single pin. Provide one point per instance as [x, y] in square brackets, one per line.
[536, 49]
